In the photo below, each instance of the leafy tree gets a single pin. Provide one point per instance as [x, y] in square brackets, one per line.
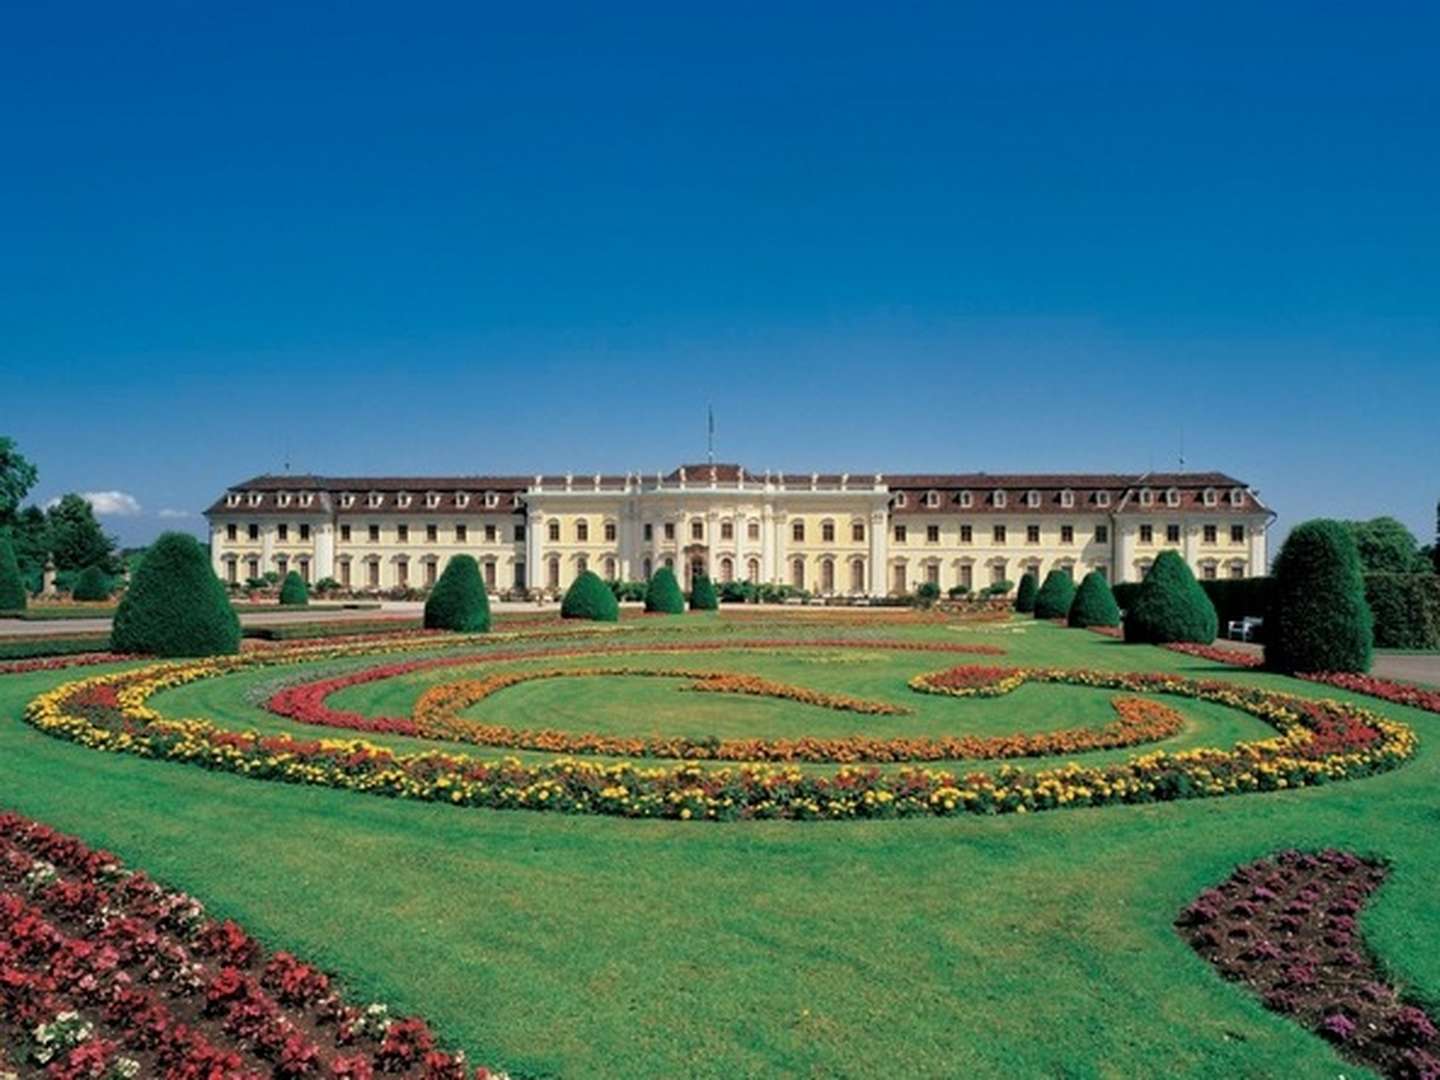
[1319, 620]
[458, 600]
[93, 584]
[12, 589]
[702, 594]
[1385, 546]
[1055, 596]
[1094, 603]
[1025, 596]
[31, 536]
[17, 477]
[293, 591]
[663, 593]
[175, 605]
[590, 598]
[76, 539]
[1435, 547]
[1171, 606]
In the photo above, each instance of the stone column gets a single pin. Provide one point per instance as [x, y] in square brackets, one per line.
[1256, 533]
[779, 572]
[324, 551]
[879, 551]
[534, 520]
[712, 530]
[267, 548]
[1124, 552]
[767, 543]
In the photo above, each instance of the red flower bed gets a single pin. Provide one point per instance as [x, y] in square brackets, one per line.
[103, 973]
[1287, 929]
[1219, 653]
[1417, 697]
[59, 663]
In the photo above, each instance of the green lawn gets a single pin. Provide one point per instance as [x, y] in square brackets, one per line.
[549, 945]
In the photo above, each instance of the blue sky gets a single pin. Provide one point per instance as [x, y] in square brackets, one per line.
[510, 239]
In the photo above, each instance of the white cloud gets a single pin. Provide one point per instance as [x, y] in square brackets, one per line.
[174, 514]
[107, 503]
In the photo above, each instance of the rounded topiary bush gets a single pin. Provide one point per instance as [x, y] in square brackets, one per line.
[663, 593]
[1055, 596]
[1318, 618]
[1025, 595]
[293, 591]
[175, 605]
[458, 600]
[590, 598]
[702, 594]
[12, 587]
[1171, 606]
[1094, 603]
[92, 584]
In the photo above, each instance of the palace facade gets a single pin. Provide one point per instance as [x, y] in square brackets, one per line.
[830, 533]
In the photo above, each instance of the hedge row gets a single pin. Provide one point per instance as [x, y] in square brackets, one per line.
[1406, 608]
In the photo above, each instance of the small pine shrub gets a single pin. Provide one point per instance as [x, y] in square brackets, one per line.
[702, 594]
[1319, 620]
[175, 605]
[1094, 603]
[1171, 606]
[663, 593]
[93, 584]
[1025, 596]
[458, 601]
[590, 598]
[12, 588]
[1055, 596]
[293, 591]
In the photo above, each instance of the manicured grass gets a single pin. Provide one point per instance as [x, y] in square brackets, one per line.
[1015, 946]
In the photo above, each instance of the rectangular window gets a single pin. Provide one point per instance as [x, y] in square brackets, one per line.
[752, 530]
[582, 532]
[402, 573]
[345, 533]
[1237, 534]
[1067, 534]
[489, 534]
[430, 568]
[374, 575]
[649, 532]
[520, 539]
[490, 576]
[462, 533]
[1172, 534]
[997, 570]
[1032, 534]
[827, 532]
[932, 534]
[610, 531]
[1147, 534]
[232, 573]
[967, 576]
[253, 565]
[899, 534]
[282, 531]
[669, 530]
[932, 574]
[254, 532]
[1237, 570]
[374, 534]
[432, 534]
[1208, 571]
[304, 532]
[230, 532]
[967, 534]
[1210, 534]
[857, 531]
[697, 530]
[554, 531]
[402, 534]
[797, 532]
[997, 534]
[1102, 534]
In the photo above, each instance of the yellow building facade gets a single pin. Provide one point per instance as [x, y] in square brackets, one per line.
[833, 534]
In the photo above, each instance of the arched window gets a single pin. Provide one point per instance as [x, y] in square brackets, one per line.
[490, 575]
[697, 529]
[827, 531]
[900, 581]
[827, 576]
[797, 532]
[554, 531]
[581, 565]
[857, 576]
[552, 573]
[797, 572]
[857, 531]
[752, 571]
[645, 569]
[609, 569]
[727, 569]
[582, 531]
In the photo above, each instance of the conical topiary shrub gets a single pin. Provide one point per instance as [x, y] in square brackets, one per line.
[458, 600]
[663, 593]
[1318, 618]
[1025, 595]
[1171, 606]
[293, 591]
[92, 584]
[12, 587]
[702, 594]
[1054, 598]
[590, 598]
[1094, 603]
[175, 605]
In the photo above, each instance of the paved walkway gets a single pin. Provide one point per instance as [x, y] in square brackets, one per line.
[1406, 667]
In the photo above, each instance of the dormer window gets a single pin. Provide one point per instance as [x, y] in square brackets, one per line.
[492, 499]
[347, 500]
[283, 498]
[255, 498]
[1067, 498]
[1210, 497]
[462, 499]
[899, 499]
[1102, 498]
[1032, 499]
[966, 500]
[432, 500]
[1172, 497]
[1147, 497]
[374, 500]
[1237, 496]
[402, 500]
[932, 499]
[232, 499]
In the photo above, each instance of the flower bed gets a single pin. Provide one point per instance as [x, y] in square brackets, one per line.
[1218, 653]
[1318, 742]
[104, 974]
[1286, 928]
[1417, 697]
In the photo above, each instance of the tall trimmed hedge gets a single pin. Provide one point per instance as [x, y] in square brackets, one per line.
[13, 596]
[293, 591]
[175, 605]
[1319, 618]
[702, 594]
[1094, 603]
[458, 600]
[1025, 595]
[590, 598]
[1171, 606]
[1406, 610]
[1055, 596]
[1125, 593]
[92, 584]
[663, 593]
